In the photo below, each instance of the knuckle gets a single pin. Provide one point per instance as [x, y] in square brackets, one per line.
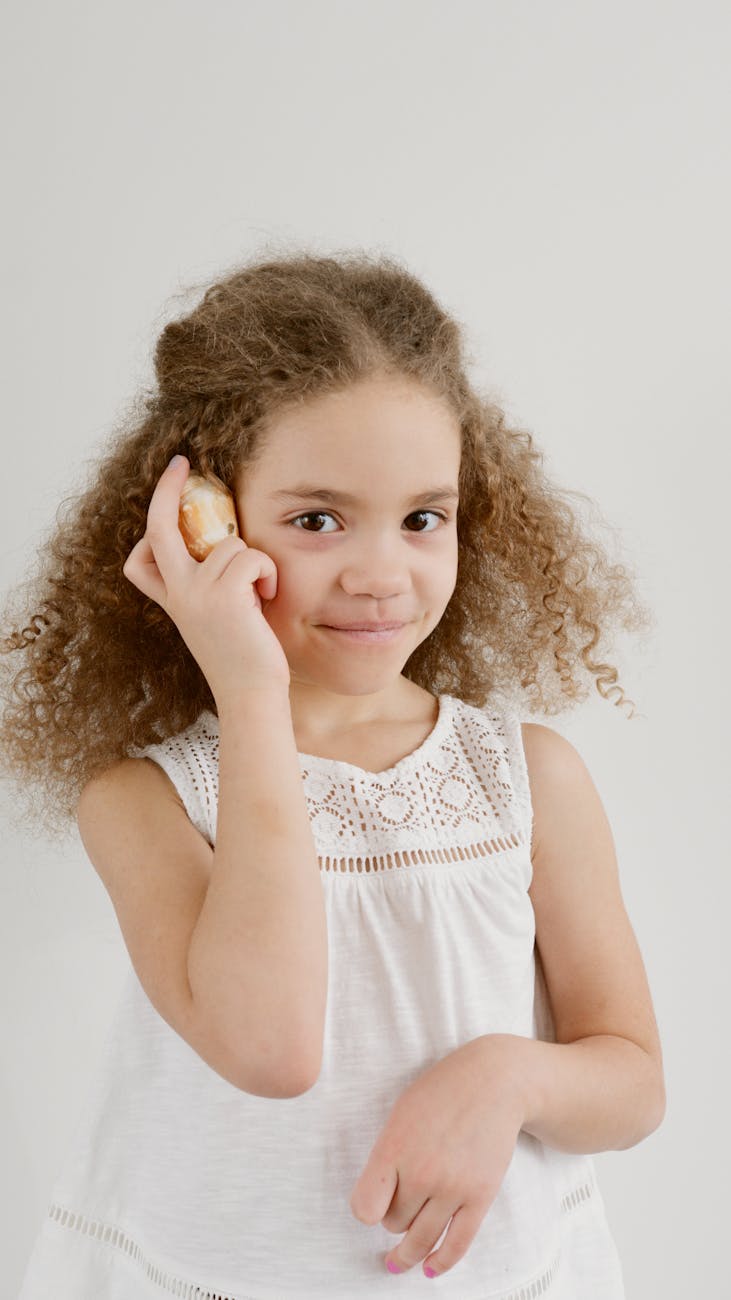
[413, 1248]
[458, 1244]
[458, 1240]
[227, 546]
[392, 1222]
[426, 1176]
[483, 1194]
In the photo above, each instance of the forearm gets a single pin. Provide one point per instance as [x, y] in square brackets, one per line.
[602, 1093]
[258, 956]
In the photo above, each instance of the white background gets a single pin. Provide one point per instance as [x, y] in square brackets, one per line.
[558, 175]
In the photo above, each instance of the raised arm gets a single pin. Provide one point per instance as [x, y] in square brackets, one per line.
[258, 956]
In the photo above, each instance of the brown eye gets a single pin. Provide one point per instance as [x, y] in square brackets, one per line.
[325, 514]
[312, 514]
[423, 513]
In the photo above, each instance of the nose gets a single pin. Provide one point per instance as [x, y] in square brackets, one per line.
[377, 568]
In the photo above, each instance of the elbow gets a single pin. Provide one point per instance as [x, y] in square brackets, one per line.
[298, 1077]
[303, 1060]
[304, 1083]
[293, 1077]
[653, 1118]
[282, 1086]
[302, 1066]
[279, 1060]
[660, 1109]
[659, 1104]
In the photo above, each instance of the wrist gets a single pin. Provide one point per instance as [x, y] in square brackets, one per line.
[247, 700]
[514, 1057]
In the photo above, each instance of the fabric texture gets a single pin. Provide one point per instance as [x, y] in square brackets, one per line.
[177, 1183]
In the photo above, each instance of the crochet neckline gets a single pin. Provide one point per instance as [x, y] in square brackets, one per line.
[416, 757]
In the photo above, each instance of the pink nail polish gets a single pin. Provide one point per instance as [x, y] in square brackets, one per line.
[430, 1272]
[392, 1268]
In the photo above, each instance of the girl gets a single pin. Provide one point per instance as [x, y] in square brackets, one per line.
[384, 999]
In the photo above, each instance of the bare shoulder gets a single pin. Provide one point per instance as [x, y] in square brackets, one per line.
[545, 746]
[561, 787]
[552, 761]
[130, 815]
[142, 774]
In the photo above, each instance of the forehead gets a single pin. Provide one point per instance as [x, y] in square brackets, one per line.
[369, 433]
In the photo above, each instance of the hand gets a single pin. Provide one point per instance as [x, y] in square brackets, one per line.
[214, 603]
[443, 1153]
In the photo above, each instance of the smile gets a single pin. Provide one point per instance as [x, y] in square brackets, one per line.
[380, 637]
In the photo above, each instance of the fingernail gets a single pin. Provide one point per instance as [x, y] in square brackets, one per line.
[430, 1272]
[392, 1268]
[176, 460]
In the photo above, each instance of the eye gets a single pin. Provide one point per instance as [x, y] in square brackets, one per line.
[325, 514]
[423, 513]
[311, 514]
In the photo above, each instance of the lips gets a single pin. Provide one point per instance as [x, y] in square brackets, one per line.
[364, 627]
[363, 636]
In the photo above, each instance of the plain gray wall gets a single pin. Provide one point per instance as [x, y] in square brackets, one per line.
[558, 174]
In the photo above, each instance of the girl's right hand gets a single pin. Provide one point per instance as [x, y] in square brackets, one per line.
[214, 603]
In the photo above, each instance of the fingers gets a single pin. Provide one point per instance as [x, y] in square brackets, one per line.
[162, 550]
[140, 568]
[161, 565]
[168, 546]
[426, 1230]
[460, 1235]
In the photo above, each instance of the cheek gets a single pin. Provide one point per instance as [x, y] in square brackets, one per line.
[296, 580]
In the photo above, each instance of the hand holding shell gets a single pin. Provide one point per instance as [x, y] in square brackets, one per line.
[206, 515]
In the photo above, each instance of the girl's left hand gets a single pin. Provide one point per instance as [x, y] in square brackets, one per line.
[443, 1153]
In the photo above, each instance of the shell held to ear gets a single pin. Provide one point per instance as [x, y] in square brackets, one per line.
[207, 514]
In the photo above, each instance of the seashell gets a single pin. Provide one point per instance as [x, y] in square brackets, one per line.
[207, 514]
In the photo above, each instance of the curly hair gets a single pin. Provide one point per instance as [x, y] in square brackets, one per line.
[93, 669]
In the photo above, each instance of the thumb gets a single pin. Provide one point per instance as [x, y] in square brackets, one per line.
[140, 568]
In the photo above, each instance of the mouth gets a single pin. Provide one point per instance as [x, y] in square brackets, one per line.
[373, 635]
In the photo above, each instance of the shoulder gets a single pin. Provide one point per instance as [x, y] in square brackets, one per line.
[545, 746]
[561, 787]
[553, 763]
[139, 778]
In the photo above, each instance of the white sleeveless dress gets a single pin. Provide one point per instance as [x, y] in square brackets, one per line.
[176, 1183]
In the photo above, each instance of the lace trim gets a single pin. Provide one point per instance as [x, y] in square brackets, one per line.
[416, 857]
[112, 1236]
[468, 779]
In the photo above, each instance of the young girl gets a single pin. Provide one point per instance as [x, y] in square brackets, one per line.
[384, 999]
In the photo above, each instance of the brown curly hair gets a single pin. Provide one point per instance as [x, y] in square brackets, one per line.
[98, 669]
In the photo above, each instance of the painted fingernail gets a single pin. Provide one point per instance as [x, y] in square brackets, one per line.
[392, 1268]
[430, 1272]
[175, 461]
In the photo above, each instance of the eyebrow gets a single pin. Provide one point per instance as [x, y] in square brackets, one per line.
[304, 492]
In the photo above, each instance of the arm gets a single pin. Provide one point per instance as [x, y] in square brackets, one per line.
[601, 1084]
[602, 1093]
[451, 1135]
[258, 955]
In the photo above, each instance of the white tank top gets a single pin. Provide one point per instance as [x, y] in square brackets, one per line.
[176, 1183]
